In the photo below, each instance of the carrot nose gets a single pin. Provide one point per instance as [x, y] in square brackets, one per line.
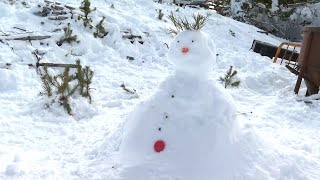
[184, 50]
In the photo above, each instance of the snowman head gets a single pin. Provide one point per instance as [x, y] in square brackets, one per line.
[192, 52]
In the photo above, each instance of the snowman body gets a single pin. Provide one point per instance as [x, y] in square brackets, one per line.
[191, 115]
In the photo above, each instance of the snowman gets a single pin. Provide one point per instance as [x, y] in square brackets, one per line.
[187, 129]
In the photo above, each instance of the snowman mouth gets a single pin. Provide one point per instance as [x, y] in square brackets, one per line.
[184, 50]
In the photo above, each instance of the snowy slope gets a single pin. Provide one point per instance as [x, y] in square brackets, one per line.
[39, 143]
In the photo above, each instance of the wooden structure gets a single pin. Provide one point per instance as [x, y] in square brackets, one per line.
[290, 56]
[266, 49]
[309, 61]
[308, 65]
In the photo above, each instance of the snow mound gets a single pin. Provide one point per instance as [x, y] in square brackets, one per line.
[187, 129]
[7, 80]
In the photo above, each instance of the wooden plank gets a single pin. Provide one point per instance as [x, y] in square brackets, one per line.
[8, 65]
[292, 70]
[26, 38]
[266, 49]
[58, 65]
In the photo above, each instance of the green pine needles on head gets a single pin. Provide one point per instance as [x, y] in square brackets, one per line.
[182, 24]
[61, 87]
[229, 78]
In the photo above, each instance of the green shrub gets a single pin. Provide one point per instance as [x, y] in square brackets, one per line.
[85, 8]
[68, 36]
[229, 78]
[100, 30]
[63, 86]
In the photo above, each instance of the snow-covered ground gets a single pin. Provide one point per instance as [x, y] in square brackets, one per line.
[40, 143]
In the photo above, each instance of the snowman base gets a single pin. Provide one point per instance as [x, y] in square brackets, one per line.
[186, 130]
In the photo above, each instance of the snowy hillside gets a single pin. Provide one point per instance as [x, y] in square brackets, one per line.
[46, 143]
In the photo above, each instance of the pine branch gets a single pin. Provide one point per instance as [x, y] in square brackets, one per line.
[88, 75]
[128, 90]
[234, 73]
[160, 14]
[61, 85]
[235, 84]
[46, 82]
[182, 24]
[67, 37]
[85, 8]
[228, 78]
[100, 30]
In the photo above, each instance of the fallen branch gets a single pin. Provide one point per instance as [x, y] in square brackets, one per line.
[4, 33]
[7, 65]
[58, 65]
[20, 29]
[55, 7]
[26, 38]
[58, 18]
[264, 32]
[131, 37]
[59, 12]
[130, 58]
[128, 90]
[69, 7]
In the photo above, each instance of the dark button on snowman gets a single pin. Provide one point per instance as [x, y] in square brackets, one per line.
[186, 129]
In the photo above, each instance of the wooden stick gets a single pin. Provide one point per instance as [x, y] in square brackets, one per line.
[133, 91]
[69, 7]
[58, 65]
[59, 12]
[7, 65]
[131, 37]
[58, 18]
[20, 29]
[27, 38]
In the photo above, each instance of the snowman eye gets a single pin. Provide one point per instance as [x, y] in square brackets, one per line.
[192, 41]
[178, 41]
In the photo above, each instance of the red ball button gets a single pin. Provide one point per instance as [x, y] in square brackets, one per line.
[159, 146]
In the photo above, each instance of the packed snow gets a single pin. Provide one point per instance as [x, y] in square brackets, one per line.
[278, 134]
[189, 114]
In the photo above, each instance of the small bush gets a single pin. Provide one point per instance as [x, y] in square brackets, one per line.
[182, 24]
[84, 77]
[68, 36]
[229, 78]
[160, 14]
[62, 86]
[85, 8]
[100, 30]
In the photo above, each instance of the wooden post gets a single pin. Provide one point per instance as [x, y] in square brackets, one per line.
[303, 59]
